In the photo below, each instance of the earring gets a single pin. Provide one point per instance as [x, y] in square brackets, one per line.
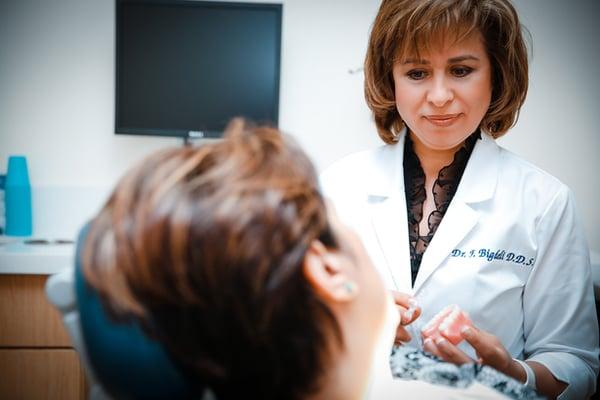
[350, 287]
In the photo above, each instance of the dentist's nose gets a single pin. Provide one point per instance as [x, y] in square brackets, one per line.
[440, 93]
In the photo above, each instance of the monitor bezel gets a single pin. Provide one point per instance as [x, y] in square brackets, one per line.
[183, 133]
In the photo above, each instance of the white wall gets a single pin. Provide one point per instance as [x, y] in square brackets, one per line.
[558, 129]
[57, 94]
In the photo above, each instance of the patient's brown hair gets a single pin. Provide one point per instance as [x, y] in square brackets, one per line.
[406, 27]
[204, 246]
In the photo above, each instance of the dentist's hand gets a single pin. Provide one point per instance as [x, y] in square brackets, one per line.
[490, 351]
[409, 312]
[488, 348]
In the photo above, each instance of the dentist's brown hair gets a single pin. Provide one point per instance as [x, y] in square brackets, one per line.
[405, 28]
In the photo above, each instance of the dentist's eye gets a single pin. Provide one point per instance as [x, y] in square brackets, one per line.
[461, 71]
[416, 74]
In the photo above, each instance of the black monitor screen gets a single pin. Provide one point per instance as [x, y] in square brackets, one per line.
[185, 68]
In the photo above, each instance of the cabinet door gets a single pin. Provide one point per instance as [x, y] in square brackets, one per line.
[27, 318]
[41, 374]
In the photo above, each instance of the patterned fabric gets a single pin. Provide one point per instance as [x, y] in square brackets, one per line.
[409, 363]
[444, 189]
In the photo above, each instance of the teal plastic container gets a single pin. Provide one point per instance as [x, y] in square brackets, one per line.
[17, 198]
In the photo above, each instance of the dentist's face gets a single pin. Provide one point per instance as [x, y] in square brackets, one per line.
[443, 96]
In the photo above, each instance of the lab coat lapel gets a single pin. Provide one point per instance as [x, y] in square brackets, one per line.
[387, 204]
[391, 226]
[478, 184]
[456, 224]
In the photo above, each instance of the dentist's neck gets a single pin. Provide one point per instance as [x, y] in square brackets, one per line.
[432, 160]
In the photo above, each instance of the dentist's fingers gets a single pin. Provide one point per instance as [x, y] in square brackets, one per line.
[450, 352]
[488, 347]
[430, 347]
[407, 306]
[402, 335]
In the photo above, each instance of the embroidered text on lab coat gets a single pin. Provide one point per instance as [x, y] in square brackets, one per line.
[490, 255]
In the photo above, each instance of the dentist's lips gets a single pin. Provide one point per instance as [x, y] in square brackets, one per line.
[442, 120]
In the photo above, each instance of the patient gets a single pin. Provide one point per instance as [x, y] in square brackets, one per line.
[228, 256]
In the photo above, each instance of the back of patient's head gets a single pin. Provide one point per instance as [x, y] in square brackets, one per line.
[204, 247]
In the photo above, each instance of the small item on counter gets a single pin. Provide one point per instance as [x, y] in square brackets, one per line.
[17, 198]
[49, 242]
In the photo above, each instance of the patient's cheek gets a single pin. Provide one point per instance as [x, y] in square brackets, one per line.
[447, 323]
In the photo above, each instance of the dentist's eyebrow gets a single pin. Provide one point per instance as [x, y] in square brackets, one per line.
[450, 60]
[415, 61]
[463, 58]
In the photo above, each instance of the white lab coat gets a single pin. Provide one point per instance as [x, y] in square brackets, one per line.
[510, 251]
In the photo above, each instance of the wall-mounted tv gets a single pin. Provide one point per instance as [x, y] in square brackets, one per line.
[185, 68]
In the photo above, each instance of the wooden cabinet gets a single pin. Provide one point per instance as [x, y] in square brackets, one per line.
[37, 360]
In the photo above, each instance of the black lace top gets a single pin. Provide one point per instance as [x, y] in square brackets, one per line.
[412, 364]
[444, 189]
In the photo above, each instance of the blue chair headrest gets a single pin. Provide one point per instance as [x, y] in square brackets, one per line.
[127, 363]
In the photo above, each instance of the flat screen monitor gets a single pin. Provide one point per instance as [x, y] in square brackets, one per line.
[185, 68]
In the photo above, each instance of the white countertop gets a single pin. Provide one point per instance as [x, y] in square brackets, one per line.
[16, 257]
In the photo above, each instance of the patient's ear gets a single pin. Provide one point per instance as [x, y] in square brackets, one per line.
[327, 271]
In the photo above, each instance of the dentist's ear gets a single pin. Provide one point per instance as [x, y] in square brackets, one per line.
[326, 271]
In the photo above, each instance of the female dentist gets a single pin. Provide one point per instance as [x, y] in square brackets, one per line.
[449, 217]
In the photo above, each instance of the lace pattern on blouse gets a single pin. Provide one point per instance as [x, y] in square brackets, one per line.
[408, 363]
[444, 188]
